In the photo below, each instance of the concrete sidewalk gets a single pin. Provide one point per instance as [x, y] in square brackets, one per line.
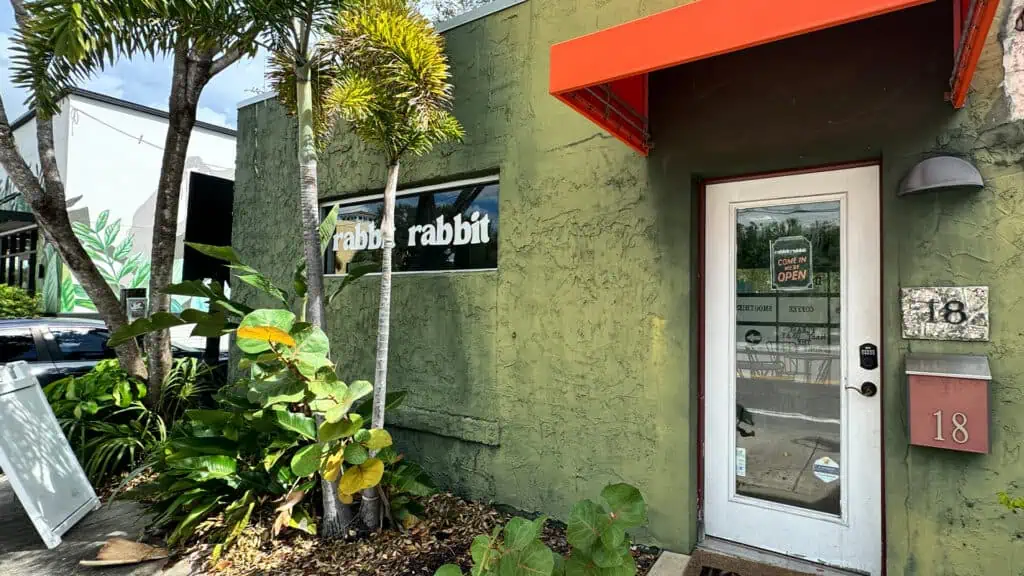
[22, 552]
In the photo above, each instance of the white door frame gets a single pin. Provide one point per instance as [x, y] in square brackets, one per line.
[853, 540]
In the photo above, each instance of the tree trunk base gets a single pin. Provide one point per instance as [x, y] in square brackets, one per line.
[337, 526]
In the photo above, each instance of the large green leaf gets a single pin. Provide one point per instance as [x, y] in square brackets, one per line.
[586, 521]
[224, 253]
[266, 317]
[306, 461]
[156, 322]
[264, 284]
[579, 564]
[217, 465]
[626, 503]
[298, 423]
[520, 532]
[310, 340]
[330, 431]
[335, 399]
[282, 388]
[535, 559]
[356, 454]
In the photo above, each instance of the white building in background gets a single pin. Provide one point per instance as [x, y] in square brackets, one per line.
[109, 152]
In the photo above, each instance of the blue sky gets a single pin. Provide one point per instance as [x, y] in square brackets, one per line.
[145, 81]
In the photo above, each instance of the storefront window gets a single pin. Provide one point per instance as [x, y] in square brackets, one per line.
[441, 228]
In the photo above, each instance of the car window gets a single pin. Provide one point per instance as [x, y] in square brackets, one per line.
[17, 345]
[82, 343]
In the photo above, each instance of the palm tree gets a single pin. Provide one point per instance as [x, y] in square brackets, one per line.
[394, 89]
[300, 74]
[61, 42]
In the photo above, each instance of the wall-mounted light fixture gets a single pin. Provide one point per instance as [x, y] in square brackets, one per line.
[941, 173]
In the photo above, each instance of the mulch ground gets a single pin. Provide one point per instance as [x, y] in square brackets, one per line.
[443, 537]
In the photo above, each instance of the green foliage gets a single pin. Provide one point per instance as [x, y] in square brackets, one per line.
[16, 303]
[188, 384]
[222, 464]
[104, 419]
[393, 81]
[1013, 503]
[112, 253]
[595, 531]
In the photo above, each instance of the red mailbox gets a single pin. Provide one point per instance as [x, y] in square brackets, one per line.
[948, 401]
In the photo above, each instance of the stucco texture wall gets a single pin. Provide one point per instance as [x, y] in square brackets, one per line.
[567, 368]
[574, 364]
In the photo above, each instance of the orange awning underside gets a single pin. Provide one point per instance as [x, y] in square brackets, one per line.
[604, 75]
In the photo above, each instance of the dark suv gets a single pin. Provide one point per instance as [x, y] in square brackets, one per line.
[59, 347]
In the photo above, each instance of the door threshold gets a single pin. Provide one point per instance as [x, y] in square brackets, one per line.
[798, 565]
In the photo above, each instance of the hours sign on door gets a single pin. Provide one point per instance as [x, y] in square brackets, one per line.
[791, 265]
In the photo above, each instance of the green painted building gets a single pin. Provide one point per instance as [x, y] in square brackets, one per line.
[615, 303]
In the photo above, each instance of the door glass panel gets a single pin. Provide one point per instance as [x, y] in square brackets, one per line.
[788, 368]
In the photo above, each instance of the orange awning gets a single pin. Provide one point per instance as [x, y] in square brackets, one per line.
[604, 75]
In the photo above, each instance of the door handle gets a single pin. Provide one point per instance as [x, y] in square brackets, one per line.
[867, 389]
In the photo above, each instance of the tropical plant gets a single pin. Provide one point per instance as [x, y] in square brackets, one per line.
[112, 253]
[393, 88]
[300, 74]
[190, 383]
[16, 303]
[596, 533]
[104, 419]
[289, 383]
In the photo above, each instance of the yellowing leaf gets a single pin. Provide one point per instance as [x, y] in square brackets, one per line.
[332, 466]
[284, 511]
[345, 498]
[379, 438]
[265, 334]
[357, 478]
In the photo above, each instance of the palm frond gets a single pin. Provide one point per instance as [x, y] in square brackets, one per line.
[394, 82]
[322, 75]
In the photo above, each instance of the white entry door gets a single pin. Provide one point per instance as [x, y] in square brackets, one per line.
[792, 401]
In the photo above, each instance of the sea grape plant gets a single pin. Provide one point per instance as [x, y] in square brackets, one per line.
[595, 531]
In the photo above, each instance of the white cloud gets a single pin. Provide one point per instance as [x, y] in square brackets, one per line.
[207, 114]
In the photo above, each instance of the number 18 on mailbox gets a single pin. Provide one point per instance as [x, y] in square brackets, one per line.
[948, 401]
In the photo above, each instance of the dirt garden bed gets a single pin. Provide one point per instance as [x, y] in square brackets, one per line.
[443, 537]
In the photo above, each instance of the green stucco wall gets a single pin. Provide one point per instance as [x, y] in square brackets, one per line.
[574, 364]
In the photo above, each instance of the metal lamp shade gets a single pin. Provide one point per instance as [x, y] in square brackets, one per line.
[941, 173]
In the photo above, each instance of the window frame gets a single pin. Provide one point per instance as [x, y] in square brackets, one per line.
[440, 187]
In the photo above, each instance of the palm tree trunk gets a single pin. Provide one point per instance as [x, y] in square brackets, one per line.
[309, 203]
[370, 511]
[337, 517]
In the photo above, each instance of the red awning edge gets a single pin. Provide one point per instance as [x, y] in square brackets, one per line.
[971, 25]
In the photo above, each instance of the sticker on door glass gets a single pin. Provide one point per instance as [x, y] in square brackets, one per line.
[741, 462]
[826, 470]
[791, 265]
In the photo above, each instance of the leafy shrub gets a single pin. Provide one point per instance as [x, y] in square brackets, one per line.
[104, 419]
[16, 303]
[596, 532]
